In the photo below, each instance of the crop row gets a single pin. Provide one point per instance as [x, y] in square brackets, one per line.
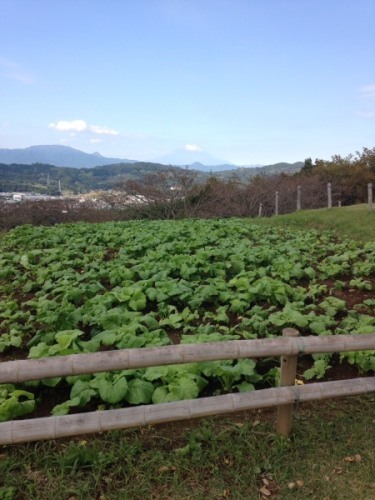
[88, 287]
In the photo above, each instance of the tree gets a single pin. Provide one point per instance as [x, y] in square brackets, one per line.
[161, 195]
[308, 167]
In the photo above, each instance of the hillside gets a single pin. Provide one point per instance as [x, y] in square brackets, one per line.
[245, 173]
[44, 178]
[354, 222]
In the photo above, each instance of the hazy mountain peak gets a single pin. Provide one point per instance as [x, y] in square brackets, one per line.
[58, 155]
[188, 156]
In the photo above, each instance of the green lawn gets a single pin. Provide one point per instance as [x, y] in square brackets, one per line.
[355, 222]
[330, 455]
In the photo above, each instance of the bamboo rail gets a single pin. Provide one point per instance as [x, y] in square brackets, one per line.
[85, 423]
[289, 346]
[79, 364]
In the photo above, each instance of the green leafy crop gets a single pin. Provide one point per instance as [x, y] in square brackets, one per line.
[80, 288]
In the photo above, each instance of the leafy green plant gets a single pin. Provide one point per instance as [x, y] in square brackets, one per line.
[14, 402]
[360, 283]
[332, 305]
[229, 372]
[11, 339]
[175, 382]
[319, 368]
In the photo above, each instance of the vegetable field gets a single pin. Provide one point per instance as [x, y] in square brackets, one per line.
[91, 287]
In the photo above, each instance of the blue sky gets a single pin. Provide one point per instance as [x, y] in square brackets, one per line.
[249, 81]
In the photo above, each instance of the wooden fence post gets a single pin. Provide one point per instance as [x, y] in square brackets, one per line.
[369, 196]
[329, 194]
[298, 197]
[287, 378]
[277, 203]
[260, 209]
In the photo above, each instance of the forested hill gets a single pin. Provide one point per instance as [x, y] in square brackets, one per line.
[245, 173]
[44, 178]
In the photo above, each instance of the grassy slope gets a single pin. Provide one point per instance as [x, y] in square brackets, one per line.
[331, 450]
[355, 222]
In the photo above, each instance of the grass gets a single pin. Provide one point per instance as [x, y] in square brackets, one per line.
[355, 222]
[330, 455]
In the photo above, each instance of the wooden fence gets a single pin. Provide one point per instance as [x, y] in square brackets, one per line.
[288, 347]
[329, 199]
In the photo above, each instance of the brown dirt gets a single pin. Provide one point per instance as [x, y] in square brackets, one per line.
[352, 295]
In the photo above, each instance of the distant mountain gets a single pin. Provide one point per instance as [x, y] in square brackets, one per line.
[60, 156]
[187, 157]
[214, 168]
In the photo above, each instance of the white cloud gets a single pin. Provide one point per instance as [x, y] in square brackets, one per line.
[82, 126]
[63, 126]
[96, 141]
[192, 147]
[368, 90]
[103, 130]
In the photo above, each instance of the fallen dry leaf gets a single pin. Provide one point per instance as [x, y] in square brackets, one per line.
[357, 457]
[291, 485]
[300, 483]
[265, 481]
[265, 491]
[166, 468]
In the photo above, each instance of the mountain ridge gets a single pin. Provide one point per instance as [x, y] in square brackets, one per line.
[65, 156]
[47, 176]
[57, 155]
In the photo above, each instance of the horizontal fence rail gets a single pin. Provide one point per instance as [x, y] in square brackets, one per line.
[93, 422]
[80, 364]
[288, 347]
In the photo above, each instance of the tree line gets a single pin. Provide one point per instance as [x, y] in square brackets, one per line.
[180, 193]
